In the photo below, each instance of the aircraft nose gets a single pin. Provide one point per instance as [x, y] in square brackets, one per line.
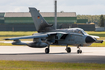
[89, 39]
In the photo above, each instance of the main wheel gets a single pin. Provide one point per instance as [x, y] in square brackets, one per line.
[79, 51]
[68, 49]
[47, 50]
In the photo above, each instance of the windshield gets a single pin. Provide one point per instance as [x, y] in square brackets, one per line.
[80, 32]
[84, 32]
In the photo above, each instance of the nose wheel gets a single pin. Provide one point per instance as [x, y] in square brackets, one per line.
[79, 50]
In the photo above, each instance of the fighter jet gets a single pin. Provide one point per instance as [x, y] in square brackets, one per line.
[47, 35]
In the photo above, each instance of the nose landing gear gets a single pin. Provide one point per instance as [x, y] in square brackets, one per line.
[79, 50]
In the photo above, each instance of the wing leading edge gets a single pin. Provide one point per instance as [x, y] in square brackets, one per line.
[37, 35]
[29, 37]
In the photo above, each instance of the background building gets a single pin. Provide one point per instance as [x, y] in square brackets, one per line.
[22, 21]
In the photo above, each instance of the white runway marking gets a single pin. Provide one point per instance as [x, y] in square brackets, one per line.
[97, 51]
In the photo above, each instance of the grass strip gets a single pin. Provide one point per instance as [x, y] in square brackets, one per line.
[35, 65]
[98, 44]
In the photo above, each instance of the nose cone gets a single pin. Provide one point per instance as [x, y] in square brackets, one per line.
[89, 39]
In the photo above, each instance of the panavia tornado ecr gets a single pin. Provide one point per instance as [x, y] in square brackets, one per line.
[47, 35]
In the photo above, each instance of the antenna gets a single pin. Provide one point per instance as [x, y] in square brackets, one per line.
[55, 14]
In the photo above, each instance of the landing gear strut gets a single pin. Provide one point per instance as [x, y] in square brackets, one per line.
[47, 50]
[68, 49]
[79, 51]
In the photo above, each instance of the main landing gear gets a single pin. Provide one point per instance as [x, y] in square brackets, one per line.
[68, 49]
[47, 50]
[79, 51]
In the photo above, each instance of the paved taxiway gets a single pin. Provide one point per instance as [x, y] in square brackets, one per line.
[57, 54]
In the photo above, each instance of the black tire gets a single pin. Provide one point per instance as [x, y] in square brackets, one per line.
[78, 51]
[68, 50]
[47, 50]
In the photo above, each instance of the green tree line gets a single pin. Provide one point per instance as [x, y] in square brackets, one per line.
[91, 18]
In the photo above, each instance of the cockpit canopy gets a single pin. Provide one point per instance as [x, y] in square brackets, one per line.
[78, 30]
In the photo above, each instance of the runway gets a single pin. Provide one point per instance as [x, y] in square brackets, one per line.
[57, 54]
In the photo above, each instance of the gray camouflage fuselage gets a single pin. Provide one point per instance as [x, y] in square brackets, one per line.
[47, 35]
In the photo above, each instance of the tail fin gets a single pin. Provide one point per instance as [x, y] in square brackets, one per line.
[40, 23]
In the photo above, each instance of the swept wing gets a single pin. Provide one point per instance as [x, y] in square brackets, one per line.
[29, 37]
[37, 35]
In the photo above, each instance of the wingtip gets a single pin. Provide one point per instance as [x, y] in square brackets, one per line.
[102, 41]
